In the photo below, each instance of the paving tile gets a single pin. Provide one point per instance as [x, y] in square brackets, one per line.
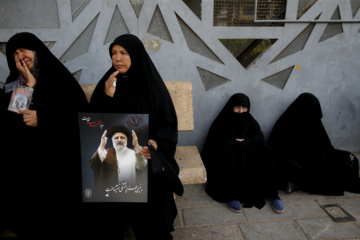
[293, 210]
[223, 232]
[211, 215]
[178, 222]
[272, 230]
[297, 195]
[325, 228]
[300, 195]
[350, 204]
[195, 196]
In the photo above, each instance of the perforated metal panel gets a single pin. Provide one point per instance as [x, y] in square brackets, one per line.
[195, 6]
[332, 29]
[31, 14]
[158, 26]
[303, 6]
[355, 6]
[49, 44]
[137, 5]
[117, 26]
[82, 43]
[3, 48]
[211, 80]
[297, 44]
[77, 6]
[279, 79]
[77, 74]
[241, 12]
[195, 44]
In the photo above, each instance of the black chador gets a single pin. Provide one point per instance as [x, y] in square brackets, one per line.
[40, 175]
[238, 170]
[142, 90]
[304, 155]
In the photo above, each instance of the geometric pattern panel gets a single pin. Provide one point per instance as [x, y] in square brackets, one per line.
[117, 26]
[303, 6]
[31, 14]
[3, 48]
[246, 51]
[195, 44]
[279, 79]
[48, 44]
[297, 44]
[254, 51]
[211, 80]
[77, 6]
[195, 6]
[332, 29]
[81, 45]
[137, 5]
[355, 6]
[158, 26]
[236, 46]
[77, 74]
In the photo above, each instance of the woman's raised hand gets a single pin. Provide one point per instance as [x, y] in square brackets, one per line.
[21, 66]
[110, 84]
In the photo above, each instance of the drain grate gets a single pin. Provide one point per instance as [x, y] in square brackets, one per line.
[337, 213]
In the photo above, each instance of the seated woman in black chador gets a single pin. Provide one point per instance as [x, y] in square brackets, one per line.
[132, 84]
[40, 171]
[304, 156]
[238, 161]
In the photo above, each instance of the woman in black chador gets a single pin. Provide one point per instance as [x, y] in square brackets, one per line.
[238, 162]
[133, 85]
[305, 158]
[40, 178]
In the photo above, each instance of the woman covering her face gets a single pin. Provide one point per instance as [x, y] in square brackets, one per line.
[304, 155]
[40, 164]
[133, 85]
[239, 164]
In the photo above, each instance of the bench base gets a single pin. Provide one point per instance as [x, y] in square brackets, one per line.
[192, 169]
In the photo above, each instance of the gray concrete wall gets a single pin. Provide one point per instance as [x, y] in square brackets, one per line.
[185, 47]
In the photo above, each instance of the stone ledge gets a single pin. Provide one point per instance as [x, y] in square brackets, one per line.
[192, 169]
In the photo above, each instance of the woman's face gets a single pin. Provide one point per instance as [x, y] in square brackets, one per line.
[120, 58]
[25, 56]
[240, 109]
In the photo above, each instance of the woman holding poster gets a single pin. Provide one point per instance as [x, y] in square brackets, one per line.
[133, 85]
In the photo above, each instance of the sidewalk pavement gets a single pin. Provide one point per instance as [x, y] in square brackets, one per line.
[202, 218]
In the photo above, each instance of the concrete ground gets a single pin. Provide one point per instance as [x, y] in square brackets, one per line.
[202, 218]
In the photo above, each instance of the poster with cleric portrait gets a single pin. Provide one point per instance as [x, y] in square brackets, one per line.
[112, 167]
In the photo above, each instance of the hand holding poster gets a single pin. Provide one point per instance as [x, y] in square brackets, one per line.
[113, 168]
[20, 98]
